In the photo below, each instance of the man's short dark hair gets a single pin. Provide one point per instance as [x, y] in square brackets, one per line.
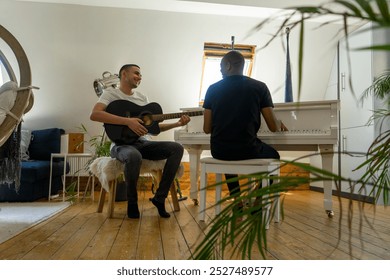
[235, 58]
[125, 67]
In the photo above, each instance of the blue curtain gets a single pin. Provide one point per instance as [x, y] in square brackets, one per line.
[288, 94]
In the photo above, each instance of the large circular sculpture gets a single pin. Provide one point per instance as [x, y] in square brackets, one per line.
[24, 98]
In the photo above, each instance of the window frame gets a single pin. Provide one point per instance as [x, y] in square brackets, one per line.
[218, 50]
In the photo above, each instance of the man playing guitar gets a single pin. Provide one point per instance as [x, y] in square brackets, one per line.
[131, 154]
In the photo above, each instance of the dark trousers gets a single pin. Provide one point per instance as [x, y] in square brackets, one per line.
[265, 151]
[132, 155]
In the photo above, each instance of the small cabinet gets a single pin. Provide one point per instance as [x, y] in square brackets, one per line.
[72, 143]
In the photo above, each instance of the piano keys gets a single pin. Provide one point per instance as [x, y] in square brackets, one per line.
[312, 126]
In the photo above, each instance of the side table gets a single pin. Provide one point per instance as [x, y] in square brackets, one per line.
[77, 160]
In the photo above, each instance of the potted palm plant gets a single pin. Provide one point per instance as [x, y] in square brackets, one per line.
[101, 145]
[224, 232]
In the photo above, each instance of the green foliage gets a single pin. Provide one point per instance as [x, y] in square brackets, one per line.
[234, 234]
[99, 143]
[100, 146]
[363, 11]
[380, 88]
[377, 166]
[71, 192]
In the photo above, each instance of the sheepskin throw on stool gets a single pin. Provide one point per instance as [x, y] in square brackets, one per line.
[107, 169]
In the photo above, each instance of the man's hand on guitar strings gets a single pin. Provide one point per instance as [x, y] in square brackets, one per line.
[135, 124]
[184, 120]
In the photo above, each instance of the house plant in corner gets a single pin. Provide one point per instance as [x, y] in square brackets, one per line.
[100, 147]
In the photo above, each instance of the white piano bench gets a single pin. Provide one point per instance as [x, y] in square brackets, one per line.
[241, 167]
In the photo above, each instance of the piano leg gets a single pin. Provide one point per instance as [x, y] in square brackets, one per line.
[194, 153]
[327, 164]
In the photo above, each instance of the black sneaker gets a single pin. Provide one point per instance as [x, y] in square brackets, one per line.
[257, 209]
[238, 208]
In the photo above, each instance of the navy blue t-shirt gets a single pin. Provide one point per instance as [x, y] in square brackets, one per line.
[236, 103]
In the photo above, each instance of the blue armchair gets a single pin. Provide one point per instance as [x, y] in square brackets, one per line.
[35, 172]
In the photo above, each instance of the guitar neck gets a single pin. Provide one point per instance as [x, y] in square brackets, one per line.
[162, 117]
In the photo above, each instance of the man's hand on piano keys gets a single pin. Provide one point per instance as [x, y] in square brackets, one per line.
[283, 127]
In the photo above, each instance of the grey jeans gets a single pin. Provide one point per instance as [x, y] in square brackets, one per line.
[132, 155]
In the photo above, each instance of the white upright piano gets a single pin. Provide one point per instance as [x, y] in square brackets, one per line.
[312, 126]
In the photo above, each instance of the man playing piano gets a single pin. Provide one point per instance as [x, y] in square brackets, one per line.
[233, 108]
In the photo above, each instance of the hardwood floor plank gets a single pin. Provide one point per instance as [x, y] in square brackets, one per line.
[330, 229]
[126, 243]
[173, 241]
[149, 240]
[20, 245]
[306, 245]
[50, 246]
[190, 228]
[82, 236]
[305, 233]
[100, 245]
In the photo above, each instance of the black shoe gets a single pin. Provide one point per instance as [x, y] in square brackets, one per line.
[161, 208]
[132, 211]
[258, 211]
[239, 208]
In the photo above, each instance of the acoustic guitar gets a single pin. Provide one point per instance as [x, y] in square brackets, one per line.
[151, 114]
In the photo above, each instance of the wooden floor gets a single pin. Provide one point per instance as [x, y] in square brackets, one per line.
[305, 233]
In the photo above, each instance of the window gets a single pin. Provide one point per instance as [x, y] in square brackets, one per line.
[212, 56]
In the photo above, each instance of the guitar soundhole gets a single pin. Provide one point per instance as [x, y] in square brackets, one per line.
[147, 119]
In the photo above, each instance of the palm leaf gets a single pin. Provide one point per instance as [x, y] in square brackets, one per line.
[375, 48]
[365, 6]
[350, 6]
[223, 231]
[380, 88]
[384, 9]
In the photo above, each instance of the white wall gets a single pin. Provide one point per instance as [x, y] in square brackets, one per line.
[68, 46]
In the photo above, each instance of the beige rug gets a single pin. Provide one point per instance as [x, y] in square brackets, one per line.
[16, 217]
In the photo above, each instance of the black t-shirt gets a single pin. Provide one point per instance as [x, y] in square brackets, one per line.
[236, 103]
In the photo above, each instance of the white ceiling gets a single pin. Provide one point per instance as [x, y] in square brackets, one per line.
[247, 8]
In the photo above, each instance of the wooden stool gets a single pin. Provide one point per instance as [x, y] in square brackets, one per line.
[107, 170]
[219, 167]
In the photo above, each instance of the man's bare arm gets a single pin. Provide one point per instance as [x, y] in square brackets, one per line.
[207, 121]
[272, 122]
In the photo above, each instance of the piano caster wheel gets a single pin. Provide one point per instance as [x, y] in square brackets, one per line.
[195, 201]
[330, 213]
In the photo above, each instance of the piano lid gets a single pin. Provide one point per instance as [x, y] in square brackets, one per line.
[306, 118]
[301, 118]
